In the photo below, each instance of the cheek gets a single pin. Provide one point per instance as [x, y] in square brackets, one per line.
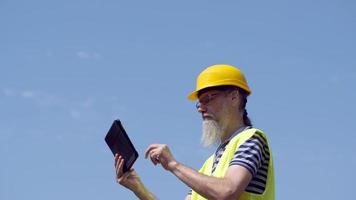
[218, 112]
[224, 110]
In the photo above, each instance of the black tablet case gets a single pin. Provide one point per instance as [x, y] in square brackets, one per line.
[119, 142]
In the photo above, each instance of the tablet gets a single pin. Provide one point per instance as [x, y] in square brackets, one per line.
[119, 142]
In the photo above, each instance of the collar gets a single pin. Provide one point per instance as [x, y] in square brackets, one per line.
[223, 144]
[239, 130]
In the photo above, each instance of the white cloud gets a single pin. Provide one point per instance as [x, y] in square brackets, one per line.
[88, 55]
[208, 44]
[59, 137]
[47, 99]
[20, 93]
[88, 103]
[8, 92]
[40, 97]
[49, 54]
[334, 79]
[83, 55]
[28, 94]
[96, 56]
[76, 109]
[75, 114]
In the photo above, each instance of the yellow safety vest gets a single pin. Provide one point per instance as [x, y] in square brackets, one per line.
[224, 162]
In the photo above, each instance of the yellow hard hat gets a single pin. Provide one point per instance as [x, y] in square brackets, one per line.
[219, 75]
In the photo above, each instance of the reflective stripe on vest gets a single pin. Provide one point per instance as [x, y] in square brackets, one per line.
[224, 163]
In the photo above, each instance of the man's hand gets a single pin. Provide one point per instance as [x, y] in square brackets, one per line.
[130, 179]
[160, 154]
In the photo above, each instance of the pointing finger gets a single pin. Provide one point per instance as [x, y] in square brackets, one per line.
[150, 148]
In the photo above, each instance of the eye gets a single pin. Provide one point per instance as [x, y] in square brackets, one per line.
[205, 100]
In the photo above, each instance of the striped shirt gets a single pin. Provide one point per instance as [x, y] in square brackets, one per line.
[253, 155]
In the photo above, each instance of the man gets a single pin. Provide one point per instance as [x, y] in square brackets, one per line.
[242, 166]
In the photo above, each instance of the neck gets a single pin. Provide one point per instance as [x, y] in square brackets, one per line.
[234, 124]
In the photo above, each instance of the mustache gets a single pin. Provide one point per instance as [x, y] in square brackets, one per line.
[207, 116]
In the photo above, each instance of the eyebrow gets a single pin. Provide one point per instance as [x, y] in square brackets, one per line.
[212, 93]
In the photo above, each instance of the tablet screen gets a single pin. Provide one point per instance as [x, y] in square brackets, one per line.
[119, 142]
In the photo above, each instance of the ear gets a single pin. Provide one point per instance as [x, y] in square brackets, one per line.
[235, 98]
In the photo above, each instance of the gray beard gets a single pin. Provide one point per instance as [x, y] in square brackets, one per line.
[212, 133]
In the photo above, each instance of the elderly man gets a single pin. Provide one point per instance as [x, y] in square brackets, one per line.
[242, 166]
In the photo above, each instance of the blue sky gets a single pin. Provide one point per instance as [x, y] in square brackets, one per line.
[69, 68]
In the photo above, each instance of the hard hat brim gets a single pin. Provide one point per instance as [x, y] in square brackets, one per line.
[193, 95]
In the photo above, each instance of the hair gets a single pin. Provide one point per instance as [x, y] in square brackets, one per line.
[243, 99]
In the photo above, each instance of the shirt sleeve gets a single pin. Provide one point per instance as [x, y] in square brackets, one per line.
[251, 154]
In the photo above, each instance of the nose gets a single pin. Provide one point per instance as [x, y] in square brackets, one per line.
[202, 108]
